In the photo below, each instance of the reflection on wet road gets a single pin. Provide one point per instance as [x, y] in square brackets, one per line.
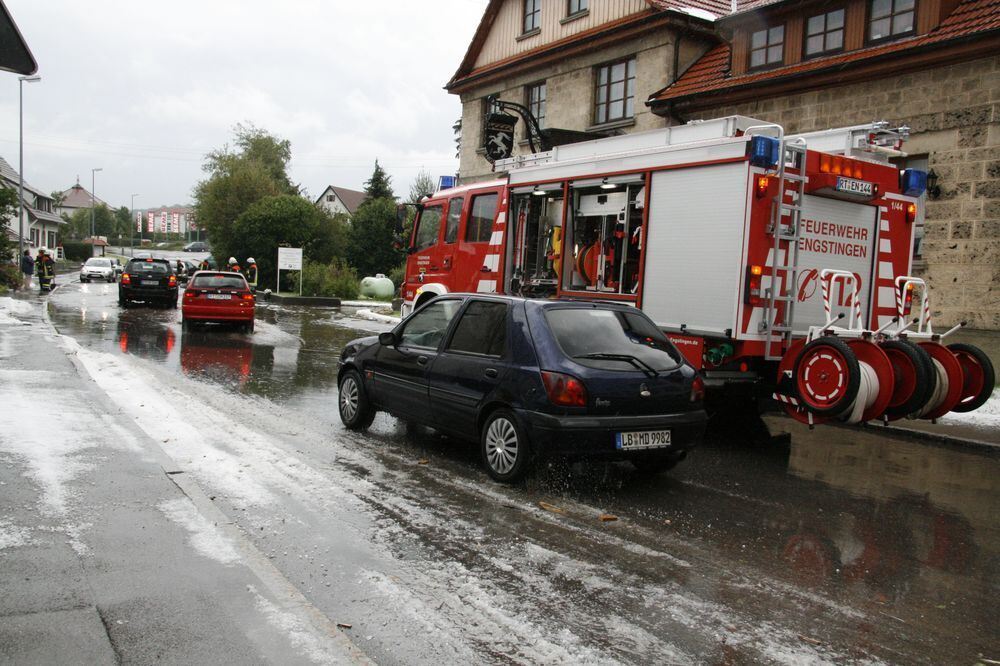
[849, 545]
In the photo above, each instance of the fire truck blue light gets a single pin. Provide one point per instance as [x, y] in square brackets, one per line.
[764, 151]
[913, 182]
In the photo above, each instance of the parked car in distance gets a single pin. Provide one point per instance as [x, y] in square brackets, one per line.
[98, 268]
[196, 246]
[220, 297]
[528, 377]
[150, 281]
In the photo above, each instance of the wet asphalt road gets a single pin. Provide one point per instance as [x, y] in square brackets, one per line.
[846, 546]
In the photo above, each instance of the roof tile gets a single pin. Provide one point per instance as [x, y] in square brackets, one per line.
[711, 72]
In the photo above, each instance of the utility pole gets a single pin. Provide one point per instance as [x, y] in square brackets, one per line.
[93, 196]
[131, 214]
[20, 168]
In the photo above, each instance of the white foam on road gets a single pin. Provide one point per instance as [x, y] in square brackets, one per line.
[12, 536]
[203, 535]
[13, 306]
[987, 416]
[305, 640]
[49, 434]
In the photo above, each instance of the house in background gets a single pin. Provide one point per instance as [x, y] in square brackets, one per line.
[930, 64]
[74, 199]
[41, 223]
[583, 67]
[336, 200]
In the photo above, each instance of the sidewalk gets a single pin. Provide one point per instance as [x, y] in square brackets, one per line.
[107, 554]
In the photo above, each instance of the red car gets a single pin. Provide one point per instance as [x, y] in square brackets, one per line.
[218, 296]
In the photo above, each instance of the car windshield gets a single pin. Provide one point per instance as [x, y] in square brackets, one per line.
[218, 282]
[612, 339]
[99, 262]
[149, 267]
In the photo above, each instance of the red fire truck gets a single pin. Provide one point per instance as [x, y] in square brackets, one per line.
[779, 264]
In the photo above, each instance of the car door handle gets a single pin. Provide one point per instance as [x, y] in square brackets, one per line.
[491, 373]
[422, 360]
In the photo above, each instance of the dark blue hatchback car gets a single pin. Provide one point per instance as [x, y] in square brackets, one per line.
[526, 377]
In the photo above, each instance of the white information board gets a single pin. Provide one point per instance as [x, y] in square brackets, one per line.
[290, 258]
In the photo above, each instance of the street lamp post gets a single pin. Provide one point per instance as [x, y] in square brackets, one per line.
[131, 212]
[93, 197]
[20, 167]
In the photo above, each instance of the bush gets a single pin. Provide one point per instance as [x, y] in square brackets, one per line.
[397, 275]
[333, 279]
[10, 275]
[76, 250]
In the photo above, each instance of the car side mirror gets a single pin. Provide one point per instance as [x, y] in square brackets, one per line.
[400, 219]
[387, 339]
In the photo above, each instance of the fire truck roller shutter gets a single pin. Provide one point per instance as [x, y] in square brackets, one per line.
[694, 247]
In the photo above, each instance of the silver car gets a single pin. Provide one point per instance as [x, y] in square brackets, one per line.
[98, 268]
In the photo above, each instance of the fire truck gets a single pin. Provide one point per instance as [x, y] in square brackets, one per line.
[780, 266]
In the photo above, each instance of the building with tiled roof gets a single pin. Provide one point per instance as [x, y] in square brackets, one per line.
[932, 65]
[340, 200]
[75, 198]
[41, 223]
[583, 67]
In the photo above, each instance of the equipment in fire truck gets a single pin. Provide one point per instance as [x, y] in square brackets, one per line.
[856, 375]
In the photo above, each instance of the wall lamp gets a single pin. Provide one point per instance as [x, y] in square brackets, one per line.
[933, 190]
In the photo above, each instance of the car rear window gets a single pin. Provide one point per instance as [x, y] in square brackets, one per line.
[625, 340]
[149, 267]
[218, 282]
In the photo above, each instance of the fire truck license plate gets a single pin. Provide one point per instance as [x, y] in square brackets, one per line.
[851, 186]
[647, 439]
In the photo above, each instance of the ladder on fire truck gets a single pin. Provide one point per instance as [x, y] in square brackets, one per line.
[783, 259]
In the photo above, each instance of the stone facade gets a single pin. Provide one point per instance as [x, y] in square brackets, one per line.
[570, 95]
[954, 116]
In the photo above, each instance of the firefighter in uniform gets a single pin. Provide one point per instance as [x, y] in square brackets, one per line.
[46, 270]
[233, 266]
[203, 265]
[251, 274]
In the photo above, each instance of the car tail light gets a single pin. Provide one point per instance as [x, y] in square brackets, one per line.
[564, 390]
[247, 297]
[697, 389]
[752, 293]
[126, 278]
[172, 281]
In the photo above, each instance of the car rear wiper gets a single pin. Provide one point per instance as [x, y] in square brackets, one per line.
[628, 358]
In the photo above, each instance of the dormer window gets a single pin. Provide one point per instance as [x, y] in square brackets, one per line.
[767, 47]
[890, 18]
[532, 16]
[825, 33]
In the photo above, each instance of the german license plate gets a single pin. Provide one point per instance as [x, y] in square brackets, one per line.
[644, 439]
[219, 297]
[150, 283]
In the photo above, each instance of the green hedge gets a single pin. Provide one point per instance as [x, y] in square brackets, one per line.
[77, 250]
[333, 279]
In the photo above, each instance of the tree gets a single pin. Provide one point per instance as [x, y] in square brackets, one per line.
[255, 170]
[422, 186]
[286, 220]
[370, 244]
[379, 185]
[79, 222]
[8, 215]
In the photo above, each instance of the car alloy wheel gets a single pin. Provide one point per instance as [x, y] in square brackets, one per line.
[355, 410]
[504, 447]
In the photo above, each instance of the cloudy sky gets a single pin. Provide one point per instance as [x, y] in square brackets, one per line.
[144, 89]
